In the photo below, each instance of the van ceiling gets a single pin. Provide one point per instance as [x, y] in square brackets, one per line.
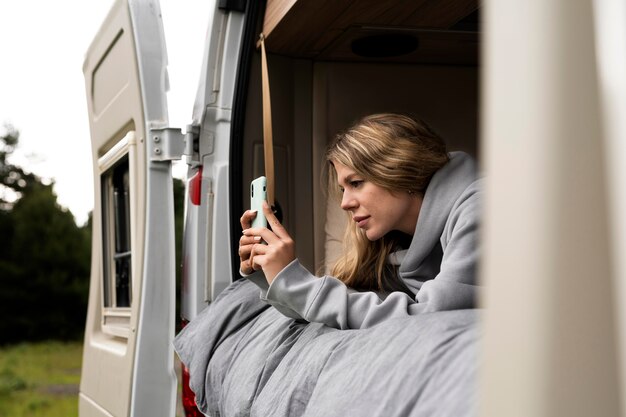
[418, 31]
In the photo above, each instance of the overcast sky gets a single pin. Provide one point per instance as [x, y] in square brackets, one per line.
[42, 89]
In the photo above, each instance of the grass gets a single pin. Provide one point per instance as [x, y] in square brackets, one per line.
[40, 379]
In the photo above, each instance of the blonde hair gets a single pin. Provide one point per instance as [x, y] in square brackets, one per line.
[398, 153]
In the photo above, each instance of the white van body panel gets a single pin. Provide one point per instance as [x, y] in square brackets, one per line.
[128, 354]
[207, 267]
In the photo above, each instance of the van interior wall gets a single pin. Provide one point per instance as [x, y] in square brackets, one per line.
[291, 92]
[313, 101]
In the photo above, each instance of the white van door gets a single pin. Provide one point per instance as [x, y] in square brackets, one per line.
[210, 219]
[128, 357]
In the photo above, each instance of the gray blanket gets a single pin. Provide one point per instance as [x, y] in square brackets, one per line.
[246, 359]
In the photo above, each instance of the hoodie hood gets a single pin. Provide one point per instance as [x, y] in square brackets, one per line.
[444, 189]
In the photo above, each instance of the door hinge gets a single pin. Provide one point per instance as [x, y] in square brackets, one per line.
[170, 144]
[192, 145]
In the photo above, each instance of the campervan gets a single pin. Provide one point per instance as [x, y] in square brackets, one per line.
[534, 90]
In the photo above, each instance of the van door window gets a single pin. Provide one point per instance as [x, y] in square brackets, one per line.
[116, 230]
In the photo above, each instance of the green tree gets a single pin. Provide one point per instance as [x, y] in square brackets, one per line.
[12, 177]
[54, 260]
[44, 261]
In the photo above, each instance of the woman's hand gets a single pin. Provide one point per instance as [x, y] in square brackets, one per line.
[276, 254]
[247, 242]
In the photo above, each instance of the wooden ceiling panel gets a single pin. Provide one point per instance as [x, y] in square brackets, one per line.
[312, 28]
[435, 47]
[300, 24]
[366, 13]
[440, 14]
[377, 12]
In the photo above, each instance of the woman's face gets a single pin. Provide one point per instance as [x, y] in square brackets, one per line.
[375, 209]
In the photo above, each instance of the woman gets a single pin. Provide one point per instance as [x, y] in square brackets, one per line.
[411, 244]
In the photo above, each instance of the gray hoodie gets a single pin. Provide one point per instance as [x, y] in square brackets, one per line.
[439, 265]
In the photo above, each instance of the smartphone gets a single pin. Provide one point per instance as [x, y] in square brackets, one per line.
[258, 194]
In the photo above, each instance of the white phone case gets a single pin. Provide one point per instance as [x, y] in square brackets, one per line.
[258, 194]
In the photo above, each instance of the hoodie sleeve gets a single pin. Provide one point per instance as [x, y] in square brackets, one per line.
[258, 279]
[329, 301]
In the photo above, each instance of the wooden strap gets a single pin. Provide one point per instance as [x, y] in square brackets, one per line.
[268, 146]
